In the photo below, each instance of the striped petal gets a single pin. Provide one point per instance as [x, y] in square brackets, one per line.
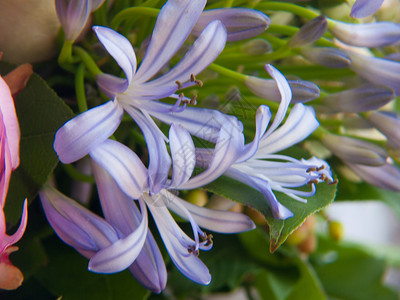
[119, 48]
[80, 135]
[174, 23]
[123, 165]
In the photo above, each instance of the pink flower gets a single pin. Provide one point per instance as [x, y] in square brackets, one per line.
[10, 276]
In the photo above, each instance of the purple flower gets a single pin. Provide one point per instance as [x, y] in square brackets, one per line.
[260, 167]
[137, 94]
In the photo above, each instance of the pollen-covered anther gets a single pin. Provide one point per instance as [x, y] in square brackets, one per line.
[179, 83]
[193, 250]
[314, 181]
[321, 168]
[193, 101]
[197, 81]
[208, 240]
[312, 169]
[333, 182]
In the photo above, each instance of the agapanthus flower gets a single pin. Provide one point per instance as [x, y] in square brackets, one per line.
[259, 165]
[122, 240]
[365, 8]
[74, 14]
[9, 160]
[389, 124]
[137, 94]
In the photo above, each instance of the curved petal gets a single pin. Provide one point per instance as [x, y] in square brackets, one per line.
[365, 8]
[183, 155]
[80, 135]
[119, 48]
[263, 116]
[227, 150]
[286, 97]
[10, 120]
[189, 264]
[73, 15]
[11, 240]
[123, 165]
[278, 210]
[201, 122]
[204, 51]
[122, 253]
[160, 161]
[216, 220]
[300, 123]
[174, 23]
[111, 85]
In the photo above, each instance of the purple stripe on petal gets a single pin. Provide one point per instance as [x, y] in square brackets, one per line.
[80, 135]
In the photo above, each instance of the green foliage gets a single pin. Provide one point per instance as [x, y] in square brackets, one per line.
[40, 113]
[279, 229]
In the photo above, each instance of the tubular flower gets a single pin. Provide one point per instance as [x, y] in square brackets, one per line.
[365, 8]
[137, 94]
[10, 277]
[259, 167]
[120, 241]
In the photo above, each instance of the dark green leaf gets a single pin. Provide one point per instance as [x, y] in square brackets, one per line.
[279, 229]
[66, 275]
[350, 273]
[40, 113]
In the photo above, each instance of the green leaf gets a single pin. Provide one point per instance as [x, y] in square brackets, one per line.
[40, 113]
[66, 275]
[350, 273]
[279, 229]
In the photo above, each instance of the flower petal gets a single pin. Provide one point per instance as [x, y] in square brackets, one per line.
[189, 264]
[160, 161]
[123, 165]
[174, 23]
[11, 240]
[204, 51]
[300, 123]
[111, 85]
[122, 253]
[73, 15]
[183, 155]
[212, 219]
[227, 150]
[80, 135]
[10, 120]
[263, 116]
[119, 48]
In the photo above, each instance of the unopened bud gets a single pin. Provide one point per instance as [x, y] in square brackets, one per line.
[309, 33]
[327, 57]
[389, 124]
[197, 197]
[256, 47]
[240, 23]
[303, 91]
[355, 151]
[360, 99]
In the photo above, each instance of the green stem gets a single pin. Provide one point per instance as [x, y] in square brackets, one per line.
[227, 72]
[75, 174]
[133, 12]
[293, 8]
[80, 88]
[88, 61]
[65, 56]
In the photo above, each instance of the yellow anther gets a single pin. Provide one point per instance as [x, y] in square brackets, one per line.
[179, 84]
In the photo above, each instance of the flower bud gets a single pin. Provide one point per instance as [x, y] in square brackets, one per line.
[327, 57]
[336, 230]
[256, 47]
[366, 35]
[309, 33]
[360, 99]
[365, 8]
[240, 23]
[303, 91]
[355, 151]
[387, 123]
